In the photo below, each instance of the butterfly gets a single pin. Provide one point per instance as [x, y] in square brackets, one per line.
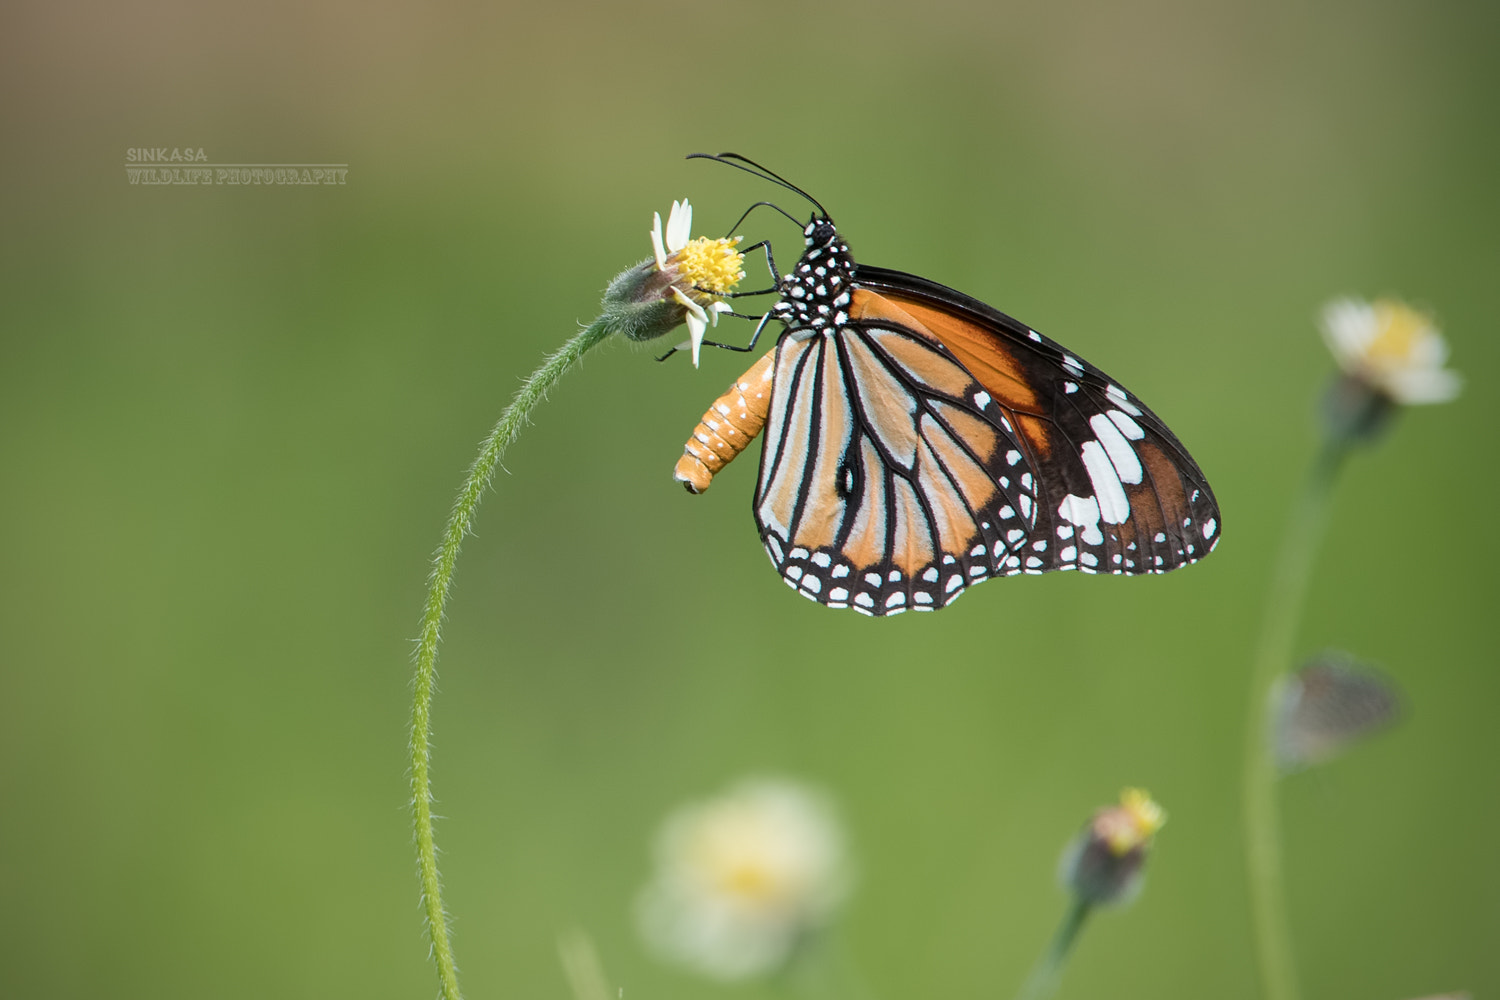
[919, 441]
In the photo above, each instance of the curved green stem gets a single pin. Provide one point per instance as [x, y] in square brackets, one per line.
[1049, 968]
[480, 475]
[1273, 945]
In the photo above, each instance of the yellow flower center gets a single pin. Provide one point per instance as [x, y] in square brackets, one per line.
[750, 879]
[1134, 822]
[1400, 328]
[713, 266]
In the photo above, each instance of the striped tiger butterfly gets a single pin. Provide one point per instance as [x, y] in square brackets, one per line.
[919, 441]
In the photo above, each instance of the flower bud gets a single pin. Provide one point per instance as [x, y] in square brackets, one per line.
[1103, 864]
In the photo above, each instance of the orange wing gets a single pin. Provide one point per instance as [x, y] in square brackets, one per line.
[1119, 493]
[889, 479]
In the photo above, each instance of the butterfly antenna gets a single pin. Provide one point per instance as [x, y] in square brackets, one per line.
[749, 166]
[765, 204]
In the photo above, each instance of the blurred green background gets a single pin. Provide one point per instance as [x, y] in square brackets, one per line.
[232, 421]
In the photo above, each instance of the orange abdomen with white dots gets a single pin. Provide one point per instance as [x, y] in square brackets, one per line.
[728, 427]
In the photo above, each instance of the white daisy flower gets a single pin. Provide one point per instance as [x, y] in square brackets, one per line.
[1392, 348]
[698, 271]
[742, 878]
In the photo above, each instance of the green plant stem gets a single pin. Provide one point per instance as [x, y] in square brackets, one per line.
[1273, 945]
[481, 473]
[820, 969]
[1049, 968]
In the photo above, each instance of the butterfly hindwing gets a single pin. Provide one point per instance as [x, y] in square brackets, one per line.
[889, 479]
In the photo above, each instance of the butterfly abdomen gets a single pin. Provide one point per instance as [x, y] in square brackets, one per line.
[727, 428]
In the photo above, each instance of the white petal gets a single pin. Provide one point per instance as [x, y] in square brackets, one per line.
[1348, 328]
[1428, 349]
[696, 329]
[693, 308]
[679, 225]
[661, 253]
[715, 309]
[1419, 386]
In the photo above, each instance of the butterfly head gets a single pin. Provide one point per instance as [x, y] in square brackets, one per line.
[820, 233]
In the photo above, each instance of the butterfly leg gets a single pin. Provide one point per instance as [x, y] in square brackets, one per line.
[770, 266]
[730, 347]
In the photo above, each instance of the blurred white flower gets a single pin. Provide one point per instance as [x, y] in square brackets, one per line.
[740, 879]
[1392, 348]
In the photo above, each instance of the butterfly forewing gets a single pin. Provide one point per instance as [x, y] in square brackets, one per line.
[1118, 492]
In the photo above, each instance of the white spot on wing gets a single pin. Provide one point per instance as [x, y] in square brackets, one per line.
[1083, 512]
[1128, 427]
[1114, 508]
[1121, 454]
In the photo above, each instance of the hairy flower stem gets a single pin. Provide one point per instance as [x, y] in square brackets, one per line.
[480, 475]
[1273, 945]
[1048, 972]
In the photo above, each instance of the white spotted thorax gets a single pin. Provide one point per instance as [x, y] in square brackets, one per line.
[815, 294]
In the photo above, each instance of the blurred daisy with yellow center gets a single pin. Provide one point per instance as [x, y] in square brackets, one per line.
[1391, 347]
[699, 271]
[741, 878]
